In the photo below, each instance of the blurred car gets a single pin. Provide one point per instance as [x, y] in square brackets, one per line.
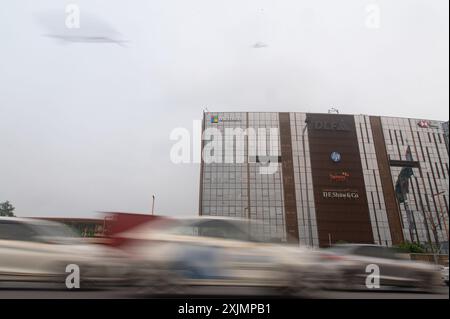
[444, 271]
[219, 252]
[36, 253]
[350, 262]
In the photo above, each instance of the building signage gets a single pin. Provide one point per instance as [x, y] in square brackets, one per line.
[340, 194]
[339, 177]
[227, 118]
[426, 124]
[339, 125]
[214, 119]
[335, 157]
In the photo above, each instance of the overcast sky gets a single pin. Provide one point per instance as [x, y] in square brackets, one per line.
[84, 126]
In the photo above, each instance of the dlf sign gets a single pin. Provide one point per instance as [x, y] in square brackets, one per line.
[329, 126]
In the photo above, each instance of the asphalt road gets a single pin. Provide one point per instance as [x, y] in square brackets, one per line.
[442, 293]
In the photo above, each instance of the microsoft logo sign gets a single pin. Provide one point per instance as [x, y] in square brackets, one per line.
[216, 119]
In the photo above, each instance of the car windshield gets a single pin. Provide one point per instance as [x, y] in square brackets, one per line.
[212, 228]
[54, 231]
[224, 229]
[341, 249]
[367, 251]
[232, 229]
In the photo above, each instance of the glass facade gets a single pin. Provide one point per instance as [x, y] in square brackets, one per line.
[240, 189]
[224, 185]
[303, 181]
[428, 188]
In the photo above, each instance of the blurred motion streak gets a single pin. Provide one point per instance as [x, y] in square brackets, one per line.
[153, 255]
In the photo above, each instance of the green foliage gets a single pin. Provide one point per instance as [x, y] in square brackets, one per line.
[6, 209]
[411, 248]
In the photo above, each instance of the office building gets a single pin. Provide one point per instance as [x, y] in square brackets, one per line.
[318, 179]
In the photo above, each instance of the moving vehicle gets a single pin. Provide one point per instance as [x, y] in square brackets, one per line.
[182, 254]
[36, 253]
[353, 263]
[445, 274]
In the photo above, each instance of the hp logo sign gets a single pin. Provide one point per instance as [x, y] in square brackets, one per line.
[335, 157]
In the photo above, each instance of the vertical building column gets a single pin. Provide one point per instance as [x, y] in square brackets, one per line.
[290, 203]
[392, 209]
[340, 195]
[202, 143]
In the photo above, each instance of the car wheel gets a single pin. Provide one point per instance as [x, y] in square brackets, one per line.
[426, 283]
[302, 285]
[153, 282]
[349, 280]
[88, 279]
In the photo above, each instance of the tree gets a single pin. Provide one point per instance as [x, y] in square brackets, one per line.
[6, 209]
[411, 248]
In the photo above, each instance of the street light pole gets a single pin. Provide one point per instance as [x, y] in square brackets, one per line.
[248, 221]
[153, 204]
[442, 211]
[436, 238]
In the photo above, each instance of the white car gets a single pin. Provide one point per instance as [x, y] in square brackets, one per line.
[36, 253]
[218, 252]
[352, 264]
